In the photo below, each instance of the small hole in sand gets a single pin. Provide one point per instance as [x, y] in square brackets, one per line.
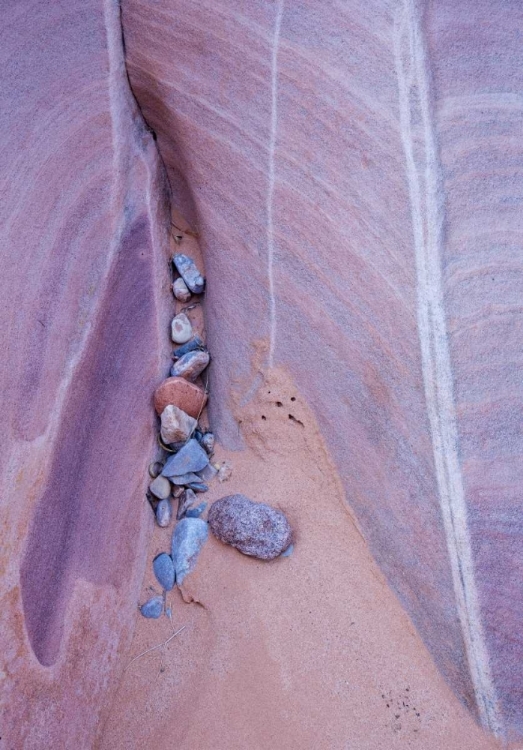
[279, 403]
[293, 398]
[263, 416]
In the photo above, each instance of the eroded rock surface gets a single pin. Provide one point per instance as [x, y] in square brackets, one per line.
[356, 180]
[84, 254]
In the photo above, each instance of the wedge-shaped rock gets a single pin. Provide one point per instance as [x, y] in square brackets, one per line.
[190, 458]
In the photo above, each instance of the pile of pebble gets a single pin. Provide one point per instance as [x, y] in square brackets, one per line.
[255, 529]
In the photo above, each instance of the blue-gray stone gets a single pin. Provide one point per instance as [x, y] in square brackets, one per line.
[191, 365]
[191, 346]
[190, 458]
[198, 486]
[288, 552]
[185, 478]
[195, 512]
[152, 608]
[163, 567]
[189, 537]
[189, 273]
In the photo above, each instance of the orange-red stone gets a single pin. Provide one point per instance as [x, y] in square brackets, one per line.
[188, 397]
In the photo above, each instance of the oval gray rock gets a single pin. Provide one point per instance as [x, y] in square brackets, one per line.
[152, 608]
[163, 568]
[164, 513]
[190, 365]
[160, 488]
[189, 459]
[189, 536]
[255, 529]
[186, 267]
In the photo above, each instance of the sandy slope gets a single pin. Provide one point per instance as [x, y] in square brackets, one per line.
[312, 651]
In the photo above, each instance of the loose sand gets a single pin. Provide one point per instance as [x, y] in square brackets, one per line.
[310, 651]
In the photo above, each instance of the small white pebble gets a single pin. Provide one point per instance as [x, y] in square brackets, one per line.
[181, 329]
[224, 472]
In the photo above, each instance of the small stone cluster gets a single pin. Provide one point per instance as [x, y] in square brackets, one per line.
[253, 528]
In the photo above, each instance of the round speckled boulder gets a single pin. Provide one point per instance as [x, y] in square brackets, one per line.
[253, 528]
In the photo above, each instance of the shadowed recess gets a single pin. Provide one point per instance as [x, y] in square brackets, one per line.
[88, 500]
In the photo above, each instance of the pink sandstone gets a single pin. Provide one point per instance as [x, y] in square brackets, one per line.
[355, 173]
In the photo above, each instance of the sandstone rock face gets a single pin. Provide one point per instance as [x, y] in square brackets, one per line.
[356, 179]
[377, 153]
[83, 259]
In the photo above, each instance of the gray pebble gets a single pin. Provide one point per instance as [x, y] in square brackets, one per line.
[163, 567]
[189, 537]
[180, 291]
[207, 442]
[288, 552]
[160, 488]
[189, 273]
[191, 346]
[164, 513]
[196, 512]
[154, 469]
[190, 365]
[190, 458]
[152, 608]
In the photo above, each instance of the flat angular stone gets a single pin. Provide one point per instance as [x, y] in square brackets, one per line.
[191, 346]
[191, 458]
[190, 365]
[187, 396]
[164, 513]
[160, 488]
[177, 426]
[181, 329]
[186, 267]
[189, 536]
[152, 608]
[198, 486]
[255, 529]
[163, 568]
[185, 478]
